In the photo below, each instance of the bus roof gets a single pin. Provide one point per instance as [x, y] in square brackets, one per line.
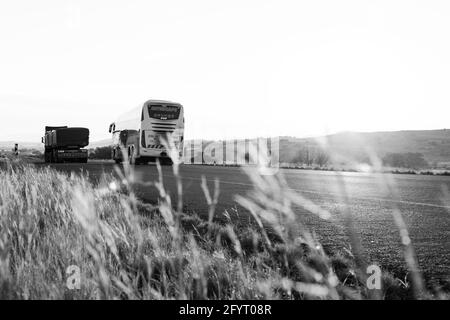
[131, 120]
[161, 101]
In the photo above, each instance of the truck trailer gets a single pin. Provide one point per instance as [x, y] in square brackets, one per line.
[64, 144]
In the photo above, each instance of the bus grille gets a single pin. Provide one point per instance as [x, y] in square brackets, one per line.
[156, 146]
[162, 127]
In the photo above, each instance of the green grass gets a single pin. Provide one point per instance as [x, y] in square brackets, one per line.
[126, 249]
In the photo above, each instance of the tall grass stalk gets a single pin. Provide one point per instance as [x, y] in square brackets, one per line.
[126, 249]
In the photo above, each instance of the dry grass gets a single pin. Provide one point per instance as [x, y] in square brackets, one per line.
[129, 250]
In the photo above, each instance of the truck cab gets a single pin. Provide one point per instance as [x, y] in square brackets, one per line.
[64, 144]
[122, 141]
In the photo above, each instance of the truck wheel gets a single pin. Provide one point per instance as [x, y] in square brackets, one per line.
[55, 157]
[166, 161]
[131, 157]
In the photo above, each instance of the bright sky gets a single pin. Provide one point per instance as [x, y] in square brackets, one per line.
[240, 68]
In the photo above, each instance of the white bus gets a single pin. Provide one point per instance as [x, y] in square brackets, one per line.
[142, 131]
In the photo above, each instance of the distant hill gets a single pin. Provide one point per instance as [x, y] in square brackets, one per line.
[9, 145]
[341, 148]
[99, 144]
[358, 146]
[409, 149]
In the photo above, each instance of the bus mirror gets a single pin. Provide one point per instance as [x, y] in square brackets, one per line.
[42, 140]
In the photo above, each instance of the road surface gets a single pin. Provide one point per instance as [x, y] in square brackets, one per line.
[422, 200]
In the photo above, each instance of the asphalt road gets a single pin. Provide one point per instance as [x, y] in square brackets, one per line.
[422, 200]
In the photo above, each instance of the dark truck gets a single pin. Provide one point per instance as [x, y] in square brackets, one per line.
[63, 144]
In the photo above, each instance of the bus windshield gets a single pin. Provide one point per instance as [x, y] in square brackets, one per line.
[163, 112]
